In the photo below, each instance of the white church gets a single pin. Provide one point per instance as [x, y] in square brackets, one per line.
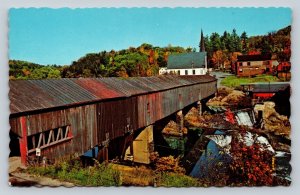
[193, 63]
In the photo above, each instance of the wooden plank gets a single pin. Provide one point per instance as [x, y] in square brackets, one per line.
[44, 141]
[53, 138]
[58, 134]
[40, 140]
[23, 140]
[51, 144]
[67, 131]
[49, 137]
[61, 134]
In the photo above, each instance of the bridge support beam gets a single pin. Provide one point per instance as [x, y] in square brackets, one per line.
[180, 121]
[199, 107]
[141, 148]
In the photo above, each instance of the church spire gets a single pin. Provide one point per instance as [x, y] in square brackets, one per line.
[201, 44]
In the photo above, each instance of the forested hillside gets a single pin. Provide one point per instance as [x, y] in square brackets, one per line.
[27, 70]
[223, 49]
[145, 60]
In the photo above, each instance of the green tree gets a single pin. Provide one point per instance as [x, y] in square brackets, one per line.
[244, 39]
[215, 42]
[53, 73]
[236, 41]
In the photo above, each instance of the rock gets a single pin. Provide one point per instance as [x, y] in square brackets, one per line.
[172, 129]
[192, 119]
[229, 97]
[274, 122]
[223, 141]
[250, 138]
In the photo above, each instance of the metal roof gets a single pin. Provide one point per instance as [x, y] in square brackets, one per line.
[187, 60]
[258, 57]
[31, 95]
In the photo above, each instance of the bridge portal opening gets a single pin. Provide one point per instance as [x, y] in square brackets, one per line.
[14, 144]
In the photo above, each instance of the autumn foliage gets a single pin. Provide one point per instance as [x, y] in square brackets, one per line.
[251, 166]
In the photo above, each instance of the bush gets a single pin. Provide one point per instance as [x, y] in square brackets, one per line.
[251, 166]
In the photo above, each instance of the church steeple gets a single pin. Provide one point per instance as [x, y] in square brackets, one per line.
[201, 44]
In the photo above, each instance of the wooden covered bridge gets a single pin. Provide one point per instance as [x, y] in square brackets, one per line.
[57, 118]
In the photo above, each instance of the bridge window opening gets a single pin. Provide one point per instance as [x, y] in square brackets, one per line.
[194, 72]
[186, 72]
[178, 72]
[48, 138]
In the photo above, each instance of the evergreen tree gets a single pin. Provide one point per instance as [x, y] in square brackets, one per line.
[215, 42]
[244, 39]
[236, 41]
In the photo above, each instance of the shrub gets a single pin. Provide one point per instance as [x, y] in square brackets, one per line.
[250, 166]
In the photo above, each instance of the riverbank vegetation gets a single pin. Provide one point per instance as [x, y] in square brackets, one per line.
[112, 175]
[72, 171]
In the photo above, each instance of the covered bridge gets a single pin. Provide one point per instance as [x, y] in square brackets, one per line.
[61, 117]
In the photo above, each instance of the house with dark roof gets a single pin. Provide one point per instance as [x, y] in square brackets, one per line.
[250, 65]
[193, 63]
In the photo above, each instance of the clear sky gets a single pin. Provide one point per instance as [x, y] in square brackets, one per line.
[60, 36]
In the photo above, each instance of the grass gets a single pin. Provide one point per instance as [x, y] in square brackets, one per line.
[233, 81]
[98, 175]
[177, 180]
[115, 175]
[110, 175]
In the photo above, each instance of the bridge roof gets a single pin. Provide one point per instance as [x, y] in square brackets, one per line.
[33, 95]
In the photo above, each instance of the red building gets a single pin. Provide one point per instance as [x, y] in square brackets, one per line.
[251, 65]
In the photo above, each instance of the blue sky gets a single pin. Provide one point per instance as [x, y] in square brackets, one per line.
[60, 36]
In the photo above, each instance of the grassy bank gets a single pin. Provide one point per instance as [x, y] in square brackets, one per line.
[177, 180]
[234, 81]
[98, 175]
[112, 175]
[142, 176]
